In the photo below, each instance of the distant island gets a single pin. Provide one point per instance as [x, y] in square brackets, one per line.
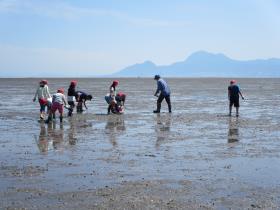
[205, 64]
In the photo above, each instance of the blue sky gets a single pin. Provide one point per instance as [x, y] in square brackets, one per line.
[88, 37]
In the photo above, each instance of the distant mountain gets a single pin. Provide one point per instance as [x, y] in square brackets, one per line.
[205, 64]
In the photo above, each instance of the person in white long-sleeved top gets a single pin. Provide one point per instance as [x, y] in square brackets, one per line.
[43, 94]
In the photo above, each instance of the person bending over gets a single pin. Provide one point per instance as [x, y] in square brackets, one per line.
[81, 98]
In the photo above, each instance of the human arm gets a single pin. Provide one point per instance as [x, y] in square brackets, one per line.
[48, 92]
[241, 95]
[77, 96]
[64, 100]
[36, 94]
[85, 104]
[158, 88]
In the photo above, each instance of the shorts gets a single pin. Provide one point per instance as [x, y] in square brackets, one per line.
[57, 106]
[109, 99]
[234, 101]
[43, 101]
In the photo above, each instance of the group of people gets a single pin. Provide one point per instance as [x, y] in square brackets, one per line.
[114, 99]
[58, 101]
[164, 90]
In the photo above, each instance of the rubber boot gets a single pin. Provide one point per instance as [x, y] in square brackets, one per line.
[79, 108]
[61, 119]
[70, 112]
[49, 119]
[158, 108]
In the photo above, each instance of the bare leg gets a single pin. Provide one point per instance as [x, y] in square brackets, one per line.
[109, 109]
[237, 111]
[230, 109]
[61, 117]
[50, 117]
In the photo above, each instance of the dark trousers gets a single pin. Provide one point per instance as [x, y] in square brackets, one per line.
[160, 99]
[70, 110]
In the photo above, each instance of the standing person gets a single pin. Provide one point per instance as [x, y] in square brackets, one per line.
[71, 96]
[233, 97]
[43, 94]
[164, 90]
[111, 97]
[81, 98]
[58, 100]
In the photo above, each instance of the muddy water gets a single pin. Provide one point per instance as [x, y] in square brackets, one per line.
[196, 156]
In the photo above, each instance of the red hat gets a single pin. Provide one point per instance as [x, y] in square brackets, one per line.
[120, 94]
[44, 81]
[73, 82]
[115, 82]
[60, 90]
[232, 81]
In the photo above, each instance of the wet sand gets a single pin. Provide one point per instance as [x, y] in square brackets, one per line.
[195, 158]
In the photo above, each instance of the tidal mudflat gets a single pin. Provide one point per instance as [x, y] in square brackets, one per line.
[195, 158]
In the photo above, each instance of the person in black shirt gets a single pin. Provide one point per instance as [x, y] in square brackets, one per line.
[81, 98]
[233, 96]
[71, 96]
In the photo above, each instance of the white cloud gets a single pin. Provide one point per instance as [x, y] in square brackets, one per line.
[54, 9]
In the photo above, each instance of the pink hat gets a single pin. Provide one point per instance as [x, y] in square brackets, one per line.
[232, 81]
[44, 81]
[73, 82]
[60, 90]
[115, 82]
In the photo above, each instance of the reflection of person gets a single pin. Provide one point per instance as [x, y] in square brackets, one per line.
[162, 128]
[233, 96]
[233, 132]
[43, 94]
[115, 125]
[71, 132]
[56, 136]
[164, 90]
[42, 142]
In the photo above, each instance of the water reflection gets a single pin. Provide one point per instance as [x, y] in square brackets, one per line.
[162, 128]
[114, 127]
[50, 137]
[233, 130]
[42, 141]
[72, 139]
[56, 135]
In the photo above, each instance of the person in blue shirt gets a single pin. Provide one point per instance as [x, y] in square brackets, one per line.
[164, 91]
[233, 97]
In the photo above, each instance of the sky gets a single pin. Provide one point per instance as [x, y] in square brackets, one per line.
[90, 37]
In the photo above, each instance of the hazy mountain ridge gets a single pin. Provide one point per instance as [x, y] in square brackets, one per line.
[205, 64]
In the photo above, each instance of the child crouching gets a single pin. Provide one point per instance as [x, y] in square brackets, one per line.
[58, 101]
